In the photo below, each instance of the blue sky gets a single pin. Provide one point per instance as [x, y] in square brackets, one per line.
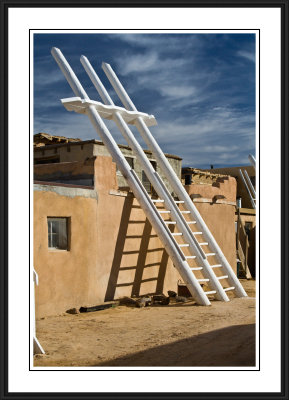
[200, 88]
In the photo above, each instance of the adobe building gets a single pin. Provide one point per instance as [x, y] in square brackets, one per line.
[50, 149]
[93, 242]
[245, 214]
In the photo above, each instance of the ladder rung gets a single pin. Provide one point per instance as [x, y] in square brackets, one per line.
[197, 233]
[157, 201]
[222, 277]
[190, 256]
[177, 234]
[196, 268]
[203, 280]
[229, 288]
[179, 201]
[170, 222]
[216, 265]
[191, 222]
[203, 244]
[185, 212]
[210, 254]
[211, 292]
[184, 245]
[164, 211]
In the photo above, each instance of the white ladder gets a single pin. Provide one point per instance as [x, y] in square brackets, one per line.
[129, 115]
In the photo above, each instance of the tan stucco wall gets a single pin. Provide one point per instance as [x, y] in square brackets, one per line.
[219, 215]
[241, 188]
[71, 152]
[113, 252]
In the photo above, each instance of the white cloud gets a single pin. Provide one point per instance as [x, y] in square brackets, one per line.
[246, 54]
[138, 63]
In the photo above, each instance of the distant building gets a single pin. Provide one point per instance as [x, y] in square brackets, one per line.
[245, 214]
[50, 149]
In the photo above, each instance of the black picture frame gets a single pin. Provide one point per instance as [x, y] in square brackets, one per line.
[9, 4]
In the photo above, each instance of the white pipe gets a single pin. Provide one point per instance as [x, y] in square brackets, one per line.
[136, 186]
[252, 160]
[250, 184]
[248, 190]
[37, 348]
[173, 179]
[159, 187]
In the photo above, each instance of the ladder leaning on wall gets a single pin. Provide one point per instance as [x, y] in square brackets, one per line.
[175, 209]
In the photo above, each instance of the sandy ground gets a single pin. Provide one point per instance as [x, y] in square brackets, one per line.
[222, 334]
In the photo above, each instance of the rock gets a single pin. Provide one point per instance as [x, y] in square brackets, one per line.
[166, 301]
[161, 299]
[181, 299]
[144, 301]
[171, 293]
[72, 311]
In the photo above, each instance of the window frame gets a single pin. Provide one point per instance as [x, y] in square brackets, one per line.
[67, 231]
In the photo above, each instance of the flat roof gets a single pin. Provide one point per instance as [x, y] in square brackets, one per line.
[94, 141]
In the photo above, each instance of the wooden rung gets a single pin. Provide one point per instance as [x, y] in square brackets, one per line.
[185, 212]
[170, 222]
[196, 268]
[210, 254]
[203, 244]
[229, 288]
[222, 277]
[184, 245]
[216, 265]
[190, 256]
[203, 280]
[164, 211]
[157, 201]
[177, 234]
[179, 201]
[211, 292]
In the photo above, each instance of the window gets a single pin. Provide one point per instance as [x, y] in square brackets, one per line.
[253, 180]
[130, 160]
[57, 233]
[145, 180]
[188, 179]
[48, 160]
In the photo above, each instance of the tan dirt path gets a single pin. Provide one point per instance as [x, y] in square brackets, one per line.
[222, 334]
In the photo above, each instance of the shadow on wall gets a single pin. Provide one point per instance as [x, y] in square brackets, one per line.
[144, 238]
[233, 346]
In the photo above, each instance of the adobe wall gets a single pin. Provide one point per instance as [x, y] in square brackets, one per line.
[218, 213]
[71, 152]
[241, 188]
[114, 251]
[76, 172]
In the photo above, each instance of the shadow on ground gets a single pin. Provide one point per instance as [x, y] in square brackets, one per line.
[229, 347]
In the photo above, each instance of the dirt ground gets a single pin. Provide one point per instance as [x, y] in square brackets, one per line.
[222, 334]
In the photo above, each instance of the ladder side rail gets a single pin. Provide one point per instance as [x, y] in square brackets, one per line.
[37, 348]
[158, 185]
[148, 207]
[252, 160]
[136, 186]
[153, 176]
[250, 184]
[183, 195]
[174, 181]
[247, 188]
[185, 271]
